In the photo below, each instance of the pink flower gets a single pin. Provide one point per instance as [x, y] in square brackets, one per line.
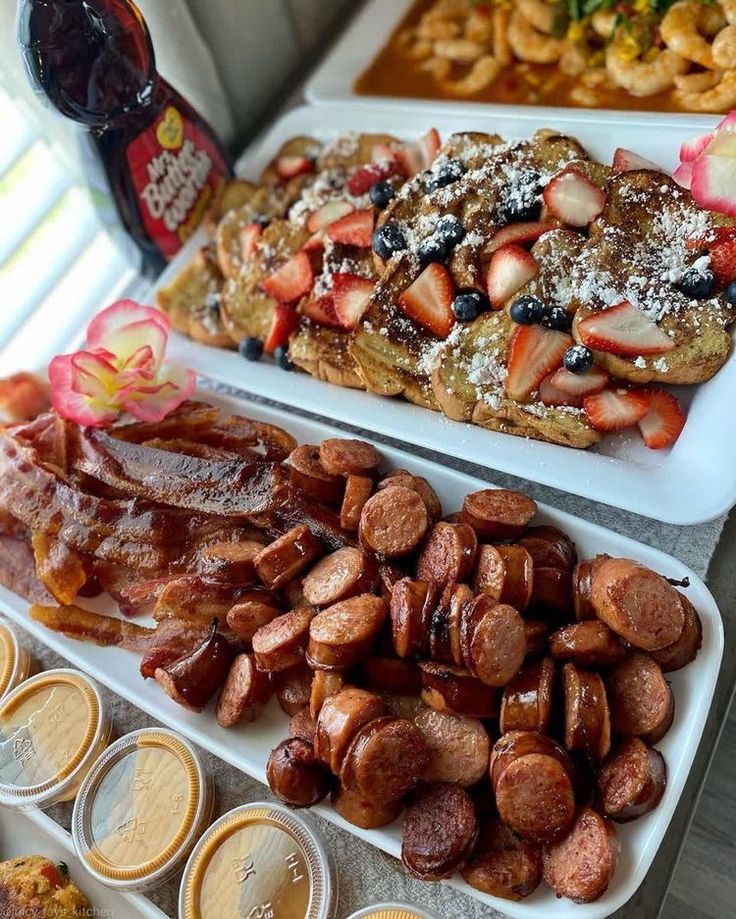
[122, 370]
[708, 167]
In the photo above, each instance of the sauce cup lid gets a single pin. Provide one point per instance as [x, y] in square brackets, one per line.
[393, 911]
[52, 727]
[14, 659]
[261, 859]
[141, 808]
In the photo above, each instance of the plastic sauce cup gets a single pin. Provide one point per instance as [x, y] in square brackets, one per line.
[15, 661]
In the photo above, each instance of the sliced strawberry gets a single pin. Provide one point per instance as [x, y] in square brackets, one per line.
[550, 394]
[382, 153]
[327, 214]
[355, 229]
[714, 237]
[351, 294]
[626, 161]
[527, 232]
[53, 875]
[322, 311]
[623, 329]
[429, 300]
[573, 198]
[288, 167]
[664, 420]
[361, 181]
[417, 157]
[509, 270]
[249, 236]
[315, 243]
[285, 320]
[615, 409]
[534, 353]
[723, 260]
[292, 281]
[580, 384]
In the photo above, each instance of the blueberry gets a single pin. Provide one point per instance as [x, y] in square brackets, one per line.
[281, 356]
[468, 305]
[450, 229]
[697, 284]
[212, 303]
[518, 211]
[578, 359]
[558, 319]
[433, 249]
[387, 240]
[381, 194]
[445, 174]
[731, 293]
[527, 310]
[251, 348]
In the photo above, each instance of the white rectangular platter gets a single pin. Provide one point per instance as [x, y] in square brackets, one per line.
[692, 482]
[248, 747]
[30, 832]
[334, 79]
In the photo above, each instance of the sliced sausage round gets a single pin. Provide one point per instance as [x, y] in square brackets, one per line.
[393, 522]
[324, 684]
[362, 811]
[459, 747]
[343, 634]
[255, 607]
[527, 699]
[455, 690]
[293, 688]
[493, 640]
[638, 604]
[340, 719]
[338, 576]
[587, 644]
[303, 725]
[685, 648]
[231, 562]
[358, 489]
[245, 692]
[295, 775]
[537, 634]
[448, 555]
[641, 701]
[386, 759]
[518, 584]
[498, 514]
[587, 719]
[420, 485]
[581, 864]
[344, 456]
[503, 864]
[392, 674]
[514, 744]
[408, 599]
[631, 781]
[534, 796]
[287, 556]
[551, 592]
[308, 474]
[280, 643]
[440, 829]
[549, 548]
[582, 581]
[490, 571]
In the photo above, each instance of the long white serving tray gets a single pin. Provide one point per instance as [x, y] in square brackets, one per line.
[31, 832]
[248, 747]
[692, 482]
[334, 79]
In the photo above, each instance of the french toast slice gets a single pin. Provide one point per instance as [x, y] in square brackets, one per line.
[501, 183]
[469, 370]
[638, 252]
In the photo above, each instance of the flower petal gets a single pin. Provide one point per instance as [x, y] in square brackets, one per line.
[121, 314]
[73, 405]
[92, 375]
[693, 148]
[154, 402]
[714, 184]
[129, 341]
[728, 123]
[683, 175]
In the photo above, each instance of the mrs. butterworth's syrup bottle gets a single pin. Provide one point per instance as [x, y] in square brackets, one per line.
[162, 163]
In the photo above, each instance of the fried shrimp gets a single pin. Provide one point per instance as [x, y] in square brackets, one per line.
[720, 99]
[539, 14]
[483, 72]
[698, 82]
[604, 23]
[531, 45]
[724, 48]
[644, 78]
[681, 32]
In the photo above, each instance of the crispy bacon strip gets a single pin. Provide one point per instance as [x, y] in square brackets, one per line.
[18, 571]
[75, 622]
[195, 599]
[188, 421]
[63, 570]
[171, 641]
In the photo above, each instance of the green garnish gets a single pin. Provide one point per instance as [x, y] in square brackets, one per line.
[63, 869]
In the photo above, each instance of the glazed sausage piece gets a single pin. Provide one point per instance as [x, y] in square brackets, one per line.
[338, 576]
[244, 694]
[341, 717]
[445, 621]
[503, 864]
[324, 685]
[685, 649]
[340, 456]
[455, 690]
[515, 744]
[231, 562]
[255, 607]
[631, 781]
[537, 632]
[393, 522]
[534, 796]
[551, 593]
[358, 489]
[440, 829]
[280, 643]
[582, 580]
[343, 634]
[641, 701]
[408, 599]
[309, 475]
[518, 584]
[587, 644]
[550, 548]
[420, 485]
[490, 571]
[493, 640]
[581, 864]
[497, 514]
[302, 725]
[448, 555]
[459, 747]
[293, 688]
[287, 556]
[392, 674]
[362, 811]
[587, 719]
[638, 604]
[385, 760]
[295, 775]
[527, 699]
